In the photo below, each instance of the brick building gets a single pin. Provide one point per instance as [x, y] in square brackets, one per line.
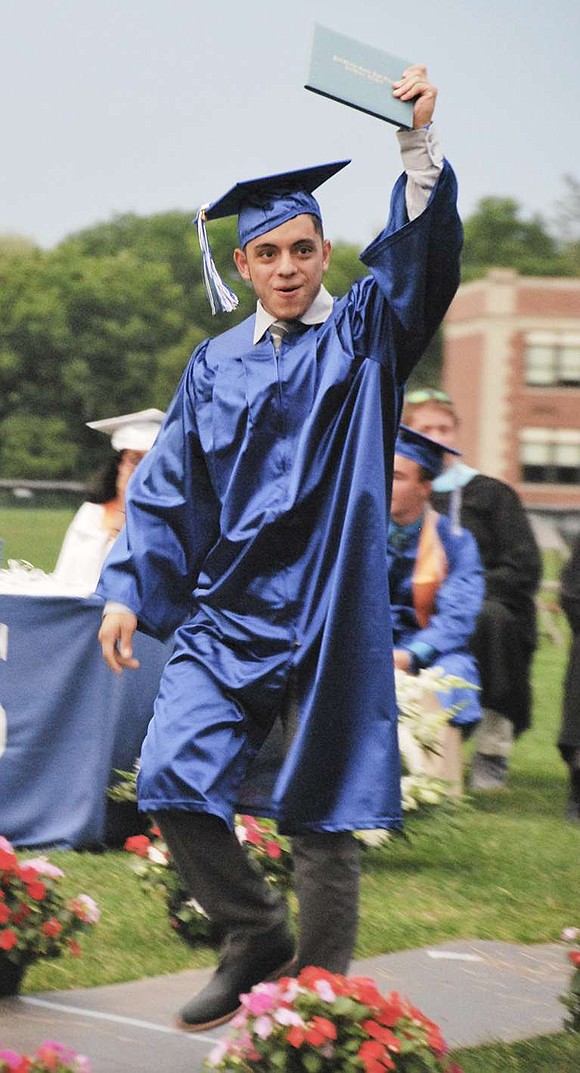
[512, 366]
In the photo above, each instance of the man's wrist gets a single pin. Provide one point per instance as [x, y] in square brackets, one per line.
[113, 608]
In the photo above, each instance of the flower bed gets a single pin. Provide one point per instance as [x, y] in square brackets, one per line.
[154, 866]
[321, 1022]
[36, 919]
[50, 1057]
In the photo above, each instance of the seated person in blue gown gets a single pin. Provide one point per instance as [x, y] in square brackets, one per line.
[435, 578]
[257, 531]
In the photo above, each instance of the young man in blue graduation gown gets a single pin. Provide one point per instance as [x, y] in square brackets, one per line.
[257, 530]
[436, 577]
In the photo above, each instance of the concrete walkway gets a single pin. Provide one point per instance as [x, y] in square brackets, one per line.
[476, 991]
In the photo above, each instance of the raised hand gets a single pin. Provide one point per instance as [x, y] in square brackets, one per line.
[415, 86]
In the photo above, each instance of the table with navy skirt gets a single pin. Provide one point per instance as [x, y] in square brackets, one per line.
[67, 722]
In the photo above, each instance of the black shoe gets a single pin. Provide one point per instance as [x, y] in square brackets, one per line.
[488, 772]
[245, 963]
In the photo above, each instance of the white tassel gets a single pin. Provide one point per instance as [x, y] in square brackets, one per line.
[221, 298]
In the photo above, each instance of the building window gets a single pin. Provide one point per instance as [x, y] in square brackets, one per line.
[550, 456]
[552, 359]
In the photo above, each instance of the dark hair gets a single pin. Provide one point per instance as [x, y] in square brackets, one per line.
[104, 485]
[317, 222]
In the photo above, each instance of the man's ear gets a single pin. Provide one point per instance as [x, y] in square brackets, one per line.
[326, 248]
[241, 263]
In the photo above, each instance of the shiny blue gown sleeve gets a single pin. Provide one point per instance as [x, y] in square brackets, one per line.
[172, 521]
[415, 266]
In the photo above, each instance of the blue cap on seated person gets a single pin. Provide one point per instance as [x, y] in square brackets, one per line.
[423, 450]
[260, 205]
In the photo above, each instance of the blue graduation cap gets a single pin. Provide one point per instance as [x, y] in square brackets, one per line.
[260, 205]
[422, 449]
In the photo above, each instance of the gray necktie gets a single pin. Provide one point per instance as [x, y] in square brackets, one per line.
[280, 329]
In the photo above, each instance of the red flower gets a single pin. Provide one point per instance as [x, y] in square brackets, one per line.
[309, 976]
[253, 837]
[8, 861]
[138, 844]
[36, 890]
[374, 1057]
[295, 1036]
[52, 928]
[383, 1035]
[156, 832]
[4, 913]
[320, 1031]
[74, 948]
[574, 956]
[8, 939]
[391, 1009]
[273, 850]
[21, 913]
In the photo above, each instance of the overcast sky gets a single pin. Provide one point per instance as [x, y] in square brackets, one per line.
[114, 106]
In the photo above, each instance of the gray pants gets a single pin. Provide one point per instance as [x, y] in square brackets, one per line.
[217, 872]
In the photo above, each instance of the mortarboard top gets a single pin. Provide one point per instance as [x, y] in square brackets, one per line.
[264, 203]
[133, 432]
[422, 449]
[260, 205]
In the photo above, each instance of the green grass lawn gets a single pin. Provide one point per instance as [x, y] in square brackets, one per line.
[34, 534]
[502, 866]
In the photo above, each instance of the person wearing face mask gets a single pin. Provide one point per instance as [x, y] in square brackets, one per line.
[506, 635]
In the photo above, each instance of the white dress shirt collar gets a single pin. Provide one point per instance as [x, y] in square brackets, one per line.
[317, 313]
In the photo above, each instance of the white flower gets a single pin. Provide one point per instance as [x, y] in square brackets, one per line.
[156, 856]
[323, 988]
[285, 1016]
[218, 1053]
[93, 913]
[263, 1026]
[44, 867]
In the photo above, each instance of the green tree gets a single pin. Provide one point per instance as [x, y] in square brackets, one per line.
[496, 235]
[36, 447]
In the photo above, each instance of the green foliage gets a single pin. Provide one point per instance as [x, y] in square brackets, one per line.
[36, 445]
[497, 235]
[105, 323]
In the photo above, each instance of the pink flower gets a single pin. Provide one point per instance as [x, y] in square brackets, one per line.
[45, 868]
[10, 1058]
[261, 999]
[570, 935]
[92, 911]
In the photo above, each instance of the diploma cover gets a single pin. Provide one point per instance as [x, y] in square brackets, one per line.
[357, 75]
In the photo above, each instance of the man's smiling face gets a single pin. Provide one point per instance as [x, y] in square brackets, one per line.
[285, 266]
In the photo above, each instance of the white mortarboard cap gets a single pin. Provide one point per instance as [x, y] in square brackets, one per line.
[132, 432]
